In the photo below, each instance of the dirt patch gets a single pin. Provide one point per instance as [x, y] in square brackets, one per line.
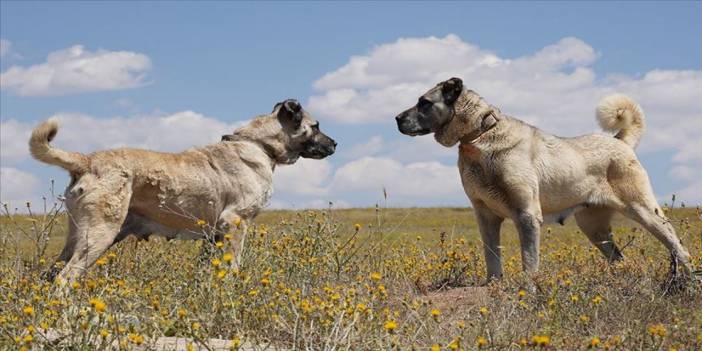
[455, 299]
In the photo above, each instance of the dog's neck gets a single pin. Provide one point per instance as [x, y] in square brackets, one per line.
[266, 148]
[480, 117]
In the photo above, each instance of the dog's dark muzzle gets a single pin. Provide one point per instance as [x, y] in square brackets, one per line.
[318, 147]
[409, 123]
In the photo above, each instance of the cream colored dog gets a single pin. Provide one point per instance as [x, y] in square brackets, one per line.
[119, 192]
[510, 169]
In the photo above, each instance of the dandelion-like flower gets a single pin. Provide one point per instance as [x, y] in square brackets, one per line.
[98, 305]
[657, 330]
[182, 313]
[28, 310]
[483, 311]
[481, 341]
[390, 326]
[594, 342]
[135, 338]
[435, 313]
[541, 340]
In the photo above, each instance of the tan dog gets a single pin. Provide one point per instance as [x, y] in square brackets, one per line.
[119, 192]
[510, 169]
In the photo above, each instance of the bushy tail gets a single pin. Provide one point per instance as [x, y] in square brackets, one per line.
[74, 162]
[620, 114]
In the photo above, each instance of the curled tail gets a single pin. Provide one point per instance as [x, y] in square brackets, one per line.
[621, 114]
[74, 162]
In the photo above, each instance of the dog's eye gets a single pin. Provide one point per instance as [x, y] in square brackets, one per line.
[423, 103]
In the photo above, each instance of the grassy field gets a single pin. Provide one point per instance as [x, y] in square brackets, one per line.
[356, 279]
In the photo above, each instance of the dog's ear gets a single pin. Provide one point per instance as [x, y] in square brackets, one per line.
[228, 137]
[290, 109]
[451, 90]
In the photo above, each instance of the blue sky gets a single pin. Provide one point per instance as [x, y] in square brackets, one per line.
[211, 65]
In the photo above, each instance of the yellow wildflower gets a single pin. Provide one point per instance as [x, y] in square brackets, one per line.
[376, 276]
[357, 226]
[101, 261]
[657, 330]
[227, 257]
[98, 305]
[182, 313]
[236, 342]
[104, 333]
[216, 262]
[135, 338]
[28, 310]
[455, 344]
[200, 223]
[435, 313]
[594, 342]
[436, 348]
[541, 340]
[481, 341]
[483, 311]
[390, 326]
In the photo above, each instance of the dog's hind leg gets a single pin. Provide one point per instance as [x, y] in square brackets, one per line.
[489, 225]
[96, 208]
[652, 218]
[595, 223]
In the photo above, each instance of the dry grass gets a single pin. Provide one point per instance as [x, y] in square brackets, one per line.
[404, 278]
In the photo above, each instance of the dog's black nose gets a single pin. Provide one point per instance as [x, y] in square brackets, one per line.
[398, 117]
[334, 142]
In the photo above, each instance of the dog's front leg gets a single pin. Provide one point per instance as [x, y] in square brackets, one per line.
[228, 223]
[489, 225]
[529, 227]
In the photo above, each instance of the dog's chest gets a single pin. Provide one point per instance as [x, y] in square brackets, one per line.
[481, 183]
[256, 201]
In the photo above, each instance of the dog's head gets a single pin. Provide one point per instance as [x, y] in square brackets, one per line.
[287, 133]
[449, 111]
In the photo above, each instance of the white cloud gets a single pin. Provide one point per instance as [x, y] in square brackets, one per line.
[75, 70]
[17, 187]
[305, 177]
[364, 179]
[14, 136]
[554, 88]
[411, 180]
